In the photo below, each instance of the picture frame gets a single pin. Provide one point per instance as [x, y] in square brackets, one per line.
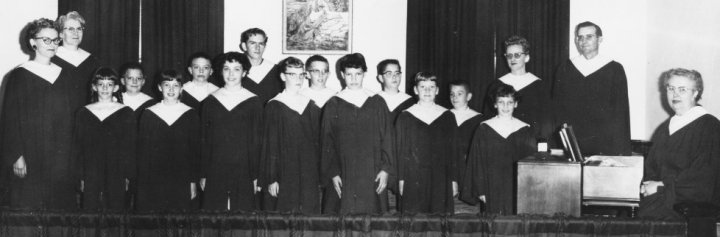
[317, 26]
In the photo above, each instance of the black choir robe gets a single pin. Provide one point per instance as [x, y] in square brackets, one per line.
[533, 108]
[596, 106]
[355, 147]
[105, 152]
[140, 109]
[424, 164]
[291, 157]
[37, 123]
[268, 88]
[81, 77]
[191, 101]
[231, 143]
[393, 115]
[463, 138]
[491, 167]
[688, 164]
[168, 160]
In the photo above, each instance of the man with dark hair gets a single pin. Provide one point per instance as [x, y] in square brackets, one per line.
[264, 78]
[590, 93]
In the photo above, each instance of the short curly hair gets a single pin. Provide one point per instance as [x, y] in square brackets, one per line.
[686, 73]
[35, 27]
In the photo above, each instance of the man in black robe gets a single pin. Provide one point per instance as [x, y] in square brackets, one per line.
[264, 78]
[590, 93]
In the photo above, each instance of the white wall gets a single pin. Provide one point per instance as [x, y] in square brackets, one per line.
[683, 34]
[379, 32]
[625, 37]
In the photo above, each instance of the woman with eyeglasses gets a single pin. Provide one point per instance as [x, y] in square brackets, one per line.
[291, 146]
[77, 62]
[231, 119]
[683, 163]
[534, 90]
[36, 126]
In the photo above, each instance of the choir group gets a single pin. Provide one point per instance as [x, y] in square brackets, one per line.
[261, 140]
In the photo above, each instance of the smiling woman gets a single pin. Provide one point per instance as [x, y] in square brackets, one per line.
[73, 59]
[36, 125]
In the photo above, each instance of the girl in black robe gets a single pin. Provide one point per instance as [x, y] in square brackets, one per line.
[424, 134]
[231, 140]
[356, 157]
[684, 160]
[497, 145]
[36, 127]
[77, 62]
[168, 156]
[105, 133]
[133, 80]
[291, 147]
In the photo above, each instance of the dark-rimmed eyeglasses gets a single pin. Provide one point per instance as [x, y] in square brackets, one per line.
[49, 41]
[513, 55]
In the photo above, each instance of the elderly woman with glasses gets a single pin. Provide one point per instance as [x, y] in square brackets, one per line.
[534, 90]
[684, 160]
[36, 126]
[76, 61]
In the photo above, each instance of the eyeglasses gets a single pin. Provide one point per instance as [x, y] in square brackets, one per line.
[49, 41]
[514, 55]
[392, 74]
[318, 72]
[75, 30]
[679, 90]
[295, 75]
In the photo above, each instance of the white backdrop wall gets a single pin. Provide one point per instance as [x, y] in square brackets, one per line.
[379, 32]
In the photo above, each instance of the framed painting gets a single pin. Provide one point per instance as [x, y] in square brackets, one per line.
[317, 26]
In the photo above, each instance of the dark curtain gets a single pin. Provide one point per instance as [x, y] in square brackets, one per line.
[174, 29]
[111, 28]
[461, 39]
[265, 224]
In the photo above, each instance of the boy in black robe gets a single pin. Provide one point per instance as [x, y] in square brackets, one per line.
[291, 147]
[264, 79]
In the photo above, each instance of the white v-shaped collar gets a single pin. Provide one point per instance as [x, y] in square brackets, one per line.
[519, 82]
[135, 101]
[427, 113]
[355, 97]
[258, 73]
[678, 122]
[463, 115]
[230, 99]
[169, 113]
[73, 57]
[393, 101]
[102, 112]
[587, 67]
[199, 91]
[504, 127]
[50, 73]
[319, 96]
[298, 103]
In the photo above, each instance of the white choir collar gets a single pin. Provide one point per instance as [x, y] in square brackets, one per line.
[426, 113]
[356, 97]
[678, 122]
[104, 111]
[169, 113]
[505, 127]
[463, 115]
[519, 82]
[199, 91]
[298, 102]
[588, 66]
[50, 73]
[229, 99]
[73, 57]
[135, 101]
[393, 101]
[258, 73]
[319, 96]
